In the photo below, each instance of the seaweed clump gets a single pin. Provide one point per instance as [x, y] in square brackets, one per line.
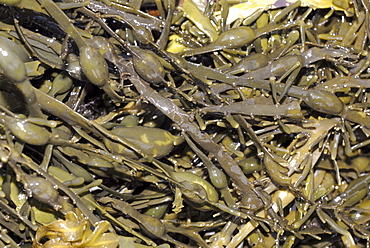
[163, 124]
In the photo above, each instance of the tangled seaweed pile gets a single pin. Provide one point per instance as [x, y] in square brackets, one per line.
[154, 125]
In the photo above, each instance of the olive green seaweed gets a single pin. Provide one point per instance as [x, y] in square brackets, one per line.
[159, 123]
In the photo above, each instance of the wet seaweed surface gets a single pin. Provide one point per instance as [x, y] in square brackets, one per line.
[184, 124]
